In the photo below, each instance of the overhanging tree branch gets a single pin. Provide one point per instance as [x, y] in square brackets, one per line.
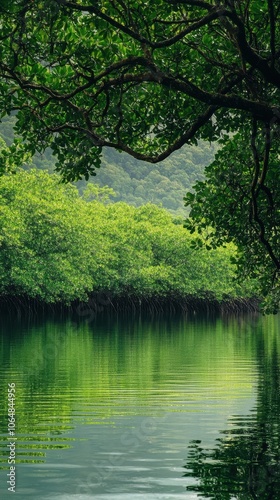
[255, 60]
[257, 181]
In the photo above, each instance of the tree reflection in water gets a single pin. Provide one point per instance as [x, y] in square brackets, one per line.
[245, 464]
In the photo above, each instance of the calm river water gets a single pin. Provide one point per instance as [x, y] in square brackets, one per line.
[140, 408]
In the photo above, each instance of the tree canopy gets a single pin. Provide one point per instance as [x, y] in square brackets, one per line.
[146, 78]
[56, 246]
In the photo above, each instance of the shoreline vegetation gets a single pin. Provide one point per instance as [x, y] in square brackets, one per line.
[59, 249]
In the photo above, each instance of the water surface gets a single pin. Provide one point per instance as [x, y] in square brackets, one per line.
[142, 409]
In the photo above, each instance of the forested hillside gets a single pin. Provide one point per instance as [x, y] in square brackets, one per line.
[137, 182]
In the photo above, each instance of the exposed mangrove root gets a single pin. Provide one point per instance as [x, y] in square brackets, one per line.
[106, 302]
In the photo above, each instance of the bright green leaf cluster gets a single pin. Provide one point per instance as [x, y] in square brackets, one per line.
[57, 247]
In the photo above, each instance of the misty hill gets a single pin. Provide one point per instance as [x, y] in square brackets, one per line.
[137, 182]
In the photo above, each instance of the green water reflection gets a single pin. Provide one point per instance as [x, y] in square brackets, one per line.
[70, 374]
[245, 463]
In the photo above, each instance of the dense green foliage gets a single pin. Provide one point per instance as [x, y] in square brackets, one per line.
[235, 209]
[38, 222]
[57, 246]
[148, 78]
[142, 80]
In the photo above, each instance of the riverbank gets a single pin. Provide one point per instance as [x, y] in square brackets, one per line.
[106, 302]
